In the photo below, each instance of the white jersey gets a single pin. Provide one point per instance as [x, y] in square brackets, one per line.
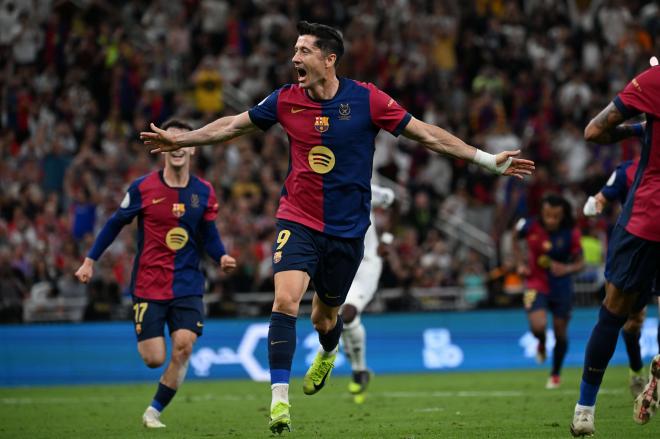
[365, 282]
[381, 197]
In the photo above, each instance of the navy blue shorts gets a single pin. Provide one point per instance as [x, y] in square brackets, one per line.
[150, 316]
[632, 263]
[331, 262]
[559, 303]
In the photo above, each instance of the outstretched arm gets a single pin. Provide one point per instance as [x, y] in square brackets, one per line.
[106, 237]
[218, 131]
[606, 127]
[438, 140]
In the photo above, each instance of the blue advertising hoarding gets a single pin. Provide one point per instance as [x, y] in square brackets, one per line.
[237, 348]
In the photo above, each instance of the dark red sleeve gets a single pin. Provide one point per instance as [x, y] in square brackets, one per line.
[641, 95]
[386, 113]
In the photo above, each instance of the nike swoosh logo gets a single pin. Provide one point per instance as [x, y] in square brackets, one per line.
[277, 342]
[200, 325]
[157, 200]
[322, 383]
[297, 110]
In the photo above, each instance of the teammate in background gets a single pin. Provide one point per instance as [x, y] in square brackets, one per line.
[634, 250]
[176, 221]
[323, 213]
[359, 295]
[616, 188]
[553, 255]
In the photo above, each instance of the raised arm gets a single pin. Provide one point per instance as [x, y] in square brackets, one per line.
[438, 140]
[218, 131]
[606, 127]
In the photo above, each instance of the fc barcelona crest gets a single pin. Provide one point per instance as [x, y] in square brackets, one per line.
[322, 123]
[178, 209]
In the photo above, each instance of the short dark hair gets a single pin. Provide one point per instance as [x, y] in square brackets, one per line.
[176, 123]
[328, 39]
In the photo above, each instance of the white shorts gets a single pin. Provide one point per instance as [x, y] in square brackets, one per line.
[365, 283]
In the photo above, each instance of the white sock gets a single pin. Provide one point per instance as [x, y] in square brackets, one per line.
[589, 408]
[326, 354]
[354, 338]
[280, 393]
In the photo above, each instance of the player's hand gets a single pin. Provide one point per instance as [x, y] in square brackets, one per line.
[86, 270]
[594, 206]
[514, 167]
[227, 263]
[159, 140]
[558, 269]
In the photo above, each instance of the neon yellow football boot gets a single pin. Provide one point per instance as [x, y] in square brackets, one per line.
[280, 419]
[318, 373]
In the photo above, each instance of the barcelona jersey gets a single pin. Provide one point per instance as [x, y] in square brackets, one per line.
[327, 187]
[543, 248]
[639, 215]
[174, 226]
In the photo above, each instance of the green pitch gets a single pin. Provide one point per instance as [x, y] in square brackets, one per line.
[512, 404]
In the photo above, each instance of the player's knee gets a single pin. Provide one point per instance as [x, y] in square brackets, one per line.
[153, 360]
[285, 305]
[181, 352]
[348, 314]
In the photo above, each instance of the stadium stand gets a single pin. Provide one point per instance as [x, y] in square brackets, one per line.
[79, 80]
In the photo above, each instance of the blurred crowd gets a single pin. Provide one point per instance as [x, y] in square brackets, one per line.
[80, 79]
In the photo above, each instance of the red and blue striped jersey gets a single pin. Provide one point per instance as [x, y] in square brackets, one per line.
[328, 186]
[174, 226]
[639, 215]
[543, 247]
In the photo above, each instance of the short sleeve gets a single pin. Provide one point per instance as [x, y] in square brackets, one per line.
[616, 186]
[641, 95]
[211, 210]
[264, 114]
[386, 113]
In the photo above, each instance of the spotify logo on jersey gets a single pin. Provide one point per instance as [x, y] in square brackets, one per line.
[321, 159]
[176, 238]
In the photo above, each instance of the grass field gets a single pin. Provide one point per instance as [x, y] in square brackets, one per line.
[510, 404]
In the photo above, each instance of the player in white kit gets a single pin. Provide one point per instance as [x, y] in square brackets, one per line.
[360, 294]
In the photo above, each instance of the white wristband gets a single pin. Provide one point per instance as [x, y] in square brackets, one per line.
[590, 208]
[487, 160]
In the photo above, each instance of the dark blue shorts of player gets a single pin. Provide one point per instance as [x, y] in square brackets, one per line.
[150, 316]
[559, 303]
[331, 262]
[632, 263]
